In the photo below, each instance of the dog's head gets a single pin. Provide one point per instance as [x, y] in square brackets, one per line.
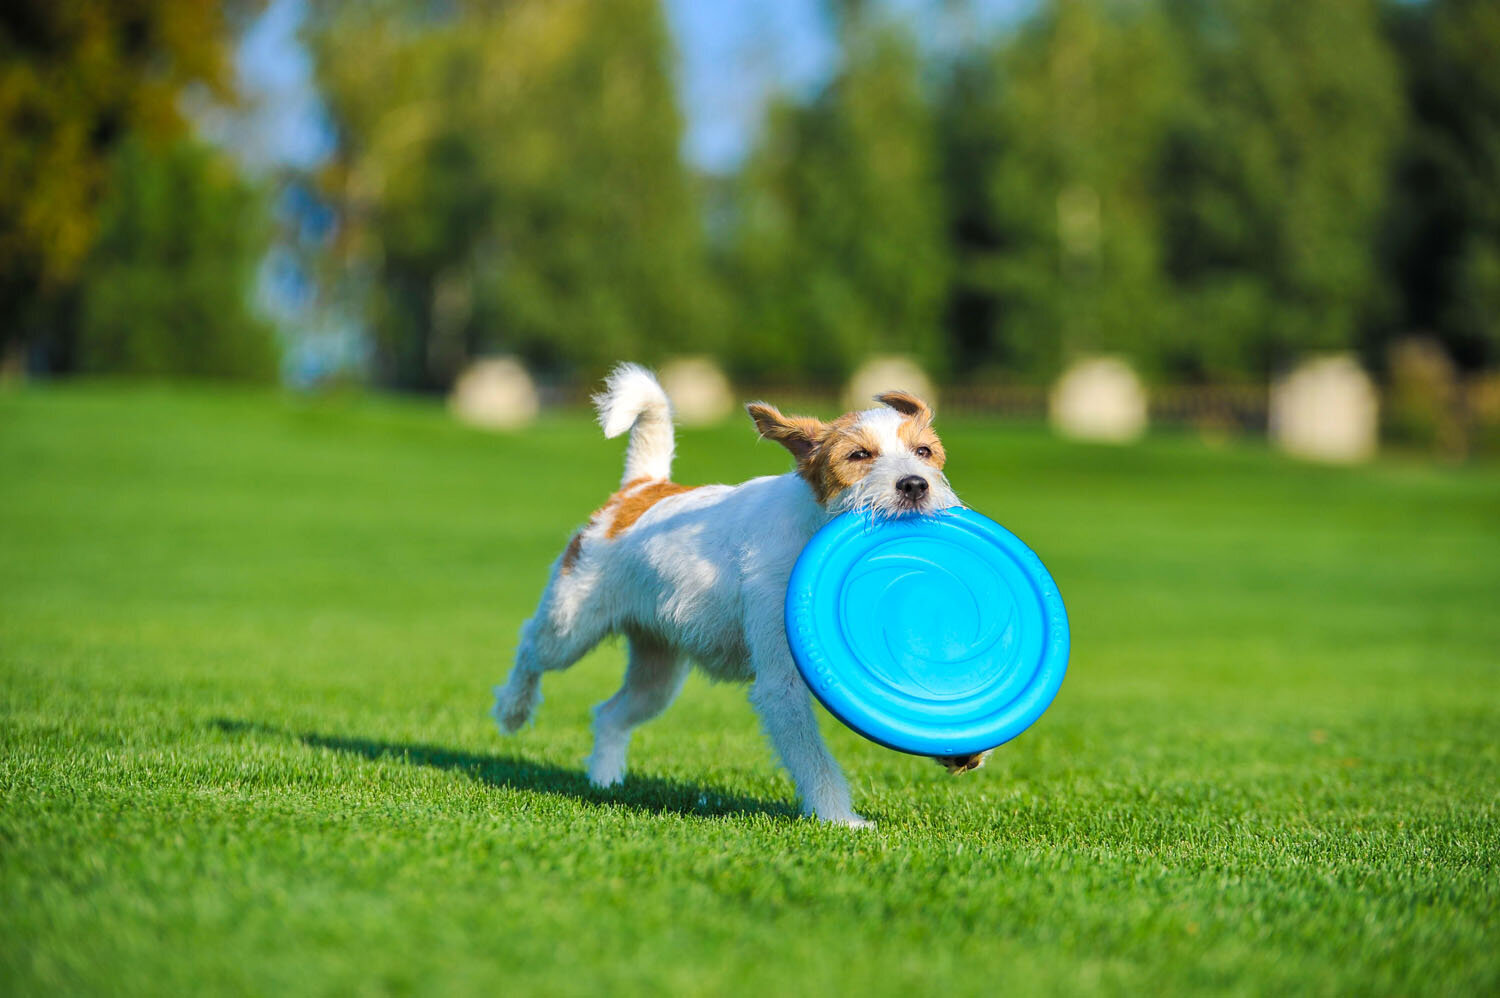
[887, 460]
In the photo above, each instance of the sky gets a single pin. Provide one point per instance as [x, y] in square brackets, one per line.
[732, 55]
[287, 124]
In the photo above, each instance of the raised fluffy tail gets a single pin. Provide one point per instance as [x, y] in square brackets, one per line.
[632, 400]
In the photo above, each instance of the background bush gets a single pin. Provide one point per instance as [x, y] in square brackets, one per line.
[167, 288]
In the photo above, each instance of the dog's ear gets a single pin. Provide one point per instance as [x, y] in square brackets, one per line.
[798, 434]
[907, 404]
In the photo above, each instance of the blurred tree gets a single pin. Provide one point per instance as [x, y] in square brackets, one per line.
[510, 179]
[1271, 181]
[1443, 229]
[1051, 141]
[1195, 184]
[973, 138]
[839, 247]
[75, 78]
[166, 289]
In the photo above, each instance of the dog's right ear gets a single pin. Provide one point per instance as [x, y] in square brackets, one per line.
[798, 434]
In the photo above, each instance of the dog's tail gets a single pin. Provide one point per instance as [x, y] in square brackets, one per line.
[632, 400]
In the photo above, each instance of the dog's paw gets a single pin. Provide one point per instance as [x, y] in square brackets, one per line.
[606, 767]
[604, 777]
[956, 764]
[514, 706]
[855, 821]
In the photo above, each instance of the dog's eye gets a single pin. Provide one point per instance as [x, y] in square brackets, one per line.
[860, 455]
[924, 452]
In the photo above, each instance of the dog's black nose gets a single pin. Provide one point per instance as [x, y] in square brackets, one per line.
[913, 487]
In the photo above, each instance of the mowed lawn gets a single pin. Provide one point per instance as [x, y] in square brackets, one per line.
[246, 647]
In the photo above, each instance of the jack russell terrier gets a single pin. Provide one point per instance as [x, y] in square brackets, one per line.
[699, 573]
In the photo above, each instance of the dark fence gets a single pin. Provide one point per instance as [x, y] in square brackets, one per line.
[1227, 407]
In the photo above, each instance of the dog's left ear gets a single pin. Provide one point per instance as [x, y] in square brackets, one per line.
[907, 404]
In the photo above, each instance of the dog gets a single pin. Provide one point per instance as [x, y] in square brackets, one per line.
[699, 573]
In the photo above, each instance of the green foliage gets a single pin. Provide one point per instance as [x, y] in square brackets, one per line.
[839, 249]
[167, 288]
[1081, 99]
[1193, 185]
[75, 79]
[511, 173]
[1273, 179]
[1443, 225]
[1209, 187]
[1197, 185]
[243, 747]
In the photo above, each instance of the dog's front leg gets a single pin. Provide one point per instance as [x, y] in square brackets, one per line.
[785, 706]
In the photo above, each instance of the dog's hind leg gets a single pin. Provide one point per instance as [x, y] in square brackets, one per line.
[652, 680]
[550, 640]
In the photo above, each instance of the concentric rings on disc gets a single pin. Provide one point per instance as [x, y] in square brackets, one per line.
[934, 635]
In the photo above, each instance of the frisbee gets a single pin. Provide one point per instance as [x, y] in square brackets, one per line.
[936, 635]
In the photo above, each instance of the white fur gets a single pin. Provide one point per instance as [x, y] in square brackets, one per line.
[700, 577]
[632, 400]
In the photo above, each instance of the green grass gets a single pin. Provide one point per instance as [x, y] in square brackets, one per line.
[246, 648]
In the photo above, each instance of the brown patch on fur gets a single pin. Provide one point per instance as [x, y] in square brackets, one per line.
[828, 468]
[917, 432]
[957, 764]
[615, 498]
[798, 434]
[573, 550]
[821, 449]
[907, 404]
[632, 505]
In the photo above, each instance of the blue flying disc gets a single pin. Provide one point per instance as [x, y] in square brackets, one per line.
[934, 635]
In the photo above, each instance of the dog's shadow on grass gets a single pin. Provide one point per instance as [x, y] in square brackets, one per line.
[651, 794]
